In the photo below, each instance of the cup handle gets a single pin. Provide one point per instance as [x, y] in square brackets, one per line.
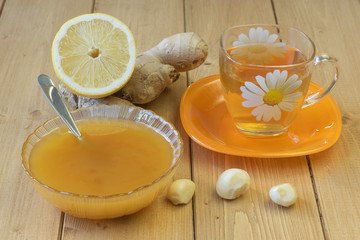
[317, 96]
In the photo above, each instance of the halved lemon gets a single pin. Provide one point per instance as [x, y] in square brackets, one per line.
[94, 55]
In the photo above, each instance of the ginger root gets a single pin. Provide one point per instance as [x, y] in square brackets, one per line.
[148, 81]
[183, 51]
[155, 69]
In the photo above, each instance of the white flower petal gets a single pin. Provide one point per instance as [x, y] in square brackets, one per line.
[292, 97]
[236, 43]
[249, 95]
[255, 89]
[243, 89]
[273, 80]
[259, 32]
[264, 36]
[253, 102]
[292, 87]
[268, 113]
[252, 35]
[259, 112]
[287, 106]
[284, 74]
[261, 81]
[282, 79]
[277, 113]
[291, 80]
[243, 38]
[276, 75]
[272, 38]
[245, 92]
[270, 81]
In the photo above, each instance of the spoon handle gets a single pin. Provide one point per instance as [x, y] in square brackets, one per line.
[53, 96]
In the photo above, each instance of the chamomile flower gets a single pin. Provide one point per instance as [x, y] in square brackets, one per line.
[259, 47]
[274, 94]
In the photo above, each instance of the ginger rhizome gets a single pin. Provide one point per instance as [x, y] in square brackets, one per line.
[155, 69]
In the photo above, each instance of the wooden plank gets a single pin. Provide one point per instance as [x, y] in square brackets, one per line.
[150, 22]
[252, 216]
[26, 32]
[333, 25]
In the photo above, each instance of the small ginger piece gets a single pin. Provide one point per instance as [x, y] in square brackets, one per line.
[283, 194]
[232, 183]
[181, 191]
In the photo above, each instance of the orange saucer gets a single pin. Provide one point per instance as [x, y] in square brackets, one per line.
[206, 120]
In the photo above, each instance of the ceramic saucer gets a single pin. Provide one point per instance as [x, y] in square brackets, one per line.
[206, 120]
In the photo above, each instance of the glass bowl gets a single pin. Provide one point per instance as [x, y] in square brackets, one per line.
[116, 205]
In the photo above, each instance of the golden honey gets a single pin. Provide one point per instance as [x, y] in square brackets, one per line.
[117, 157]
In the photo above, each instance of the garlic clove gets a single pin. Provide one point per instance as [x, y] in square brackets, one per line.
[232, 183]
[283, 194]
[181, 191]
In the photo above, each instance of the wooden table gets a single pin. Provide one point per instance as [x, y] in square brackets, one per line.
[328, 183]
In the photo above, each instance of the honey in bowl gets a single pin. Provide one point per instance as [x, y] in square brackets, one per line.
[117, 157]
[129, 156]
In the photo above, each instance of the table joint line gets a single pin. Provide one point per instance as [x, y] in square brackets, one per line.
[316, 197]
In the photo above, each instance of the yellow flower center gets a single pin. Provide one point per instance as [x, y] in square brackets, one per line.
[257, 48]
[273, 97]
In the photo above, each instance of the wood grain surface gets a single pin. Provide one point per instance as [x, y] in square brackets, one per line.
[328, 183]
[333, 27]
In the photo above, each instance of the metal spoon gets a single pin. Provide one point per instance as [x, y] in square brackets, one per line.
[53, 96]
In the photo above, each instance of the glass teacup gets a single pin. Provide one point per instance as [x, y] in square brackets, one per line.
[265, 72]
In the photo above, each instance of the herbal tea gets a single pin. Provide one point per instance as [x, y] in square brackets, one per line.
[264, 98]
[118, 157]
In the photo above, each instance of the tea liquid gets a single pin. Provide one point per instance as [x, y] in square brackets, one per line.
[234, 75]
[118, 157]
